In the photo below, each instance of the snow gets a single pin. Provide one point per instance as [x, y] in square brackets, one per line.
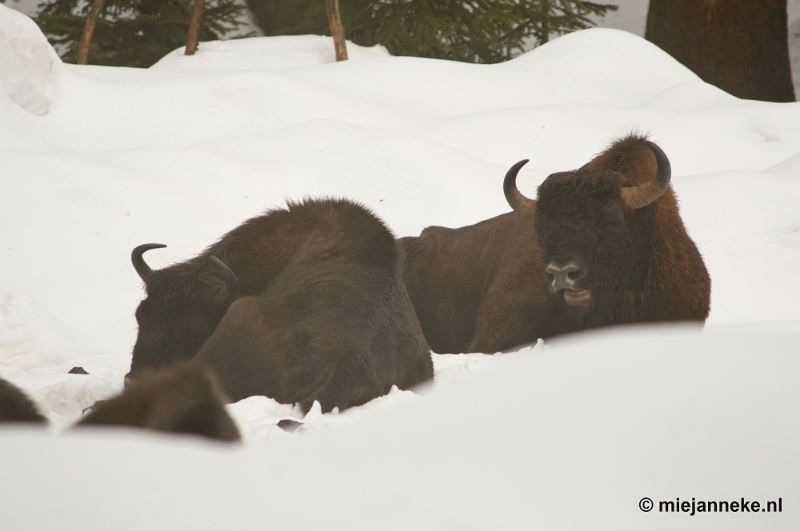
[566, 434]
[28, 64]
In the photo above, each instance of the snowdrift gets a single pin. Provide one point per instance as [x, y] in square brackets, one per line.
[570, 436]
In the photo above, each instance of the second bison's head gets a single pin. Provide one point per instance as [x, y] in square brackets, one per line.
[183, 306]
[593, 224]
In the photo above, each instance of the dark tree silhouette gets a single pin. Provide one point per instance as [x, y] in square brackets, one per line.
[741, 46]
[484, 31]
[279, 17]
[130, 32]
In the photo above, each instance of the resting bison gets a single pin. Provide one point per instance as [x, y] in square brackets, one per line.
[321, 314]
[335, 326]
[181, 398]
[16, 406]
[185, 302]
[600, 245]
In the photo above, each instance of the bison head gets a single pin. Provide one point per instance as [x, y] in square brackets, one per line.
[183, 306]
[593, 224]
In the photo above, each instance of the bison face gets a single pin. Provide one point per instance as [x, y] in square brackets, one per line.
[593, 224]
[183, 307]
[585, 236]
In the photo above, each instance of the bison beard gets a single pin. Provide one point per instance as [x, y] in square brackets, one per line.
[601, 245]
[319, 311]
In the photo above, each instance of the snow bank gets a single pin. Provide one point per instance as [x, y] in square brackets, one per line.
[30, 336]
[571, 437]
[29, 67]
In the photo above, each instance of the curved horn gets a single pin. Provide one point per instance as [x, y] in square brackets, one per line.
[644, 194]
[231, 282]
[518, 202]
[138, 262]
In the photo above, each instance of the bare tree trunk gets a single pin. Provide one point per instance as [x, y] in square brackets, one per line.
[88, 31]
[740, 46]
[337, 29]
[194, 26]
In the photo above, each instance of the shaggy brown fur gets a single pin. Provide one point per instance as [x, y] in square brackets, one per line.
[182, 398]
[185, 302]
[480, 288]
[484, 288]
[641, 264]
[335, 325]
[16, 406]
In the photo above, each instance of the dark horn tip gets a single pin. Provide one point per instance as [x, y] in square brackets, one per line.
[511, 175]
[664, 166]
[138, 262]
[518, 165]
[515, 199]
[140, 249]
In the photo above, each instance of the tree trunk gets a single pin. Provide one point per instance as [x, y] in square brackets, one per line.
[194, 26]
[740, 46]
[88, 31]
[337, 29]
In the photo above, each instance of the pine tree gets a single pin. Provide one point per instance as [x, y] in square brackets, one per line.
[132, 32]
[485, 31]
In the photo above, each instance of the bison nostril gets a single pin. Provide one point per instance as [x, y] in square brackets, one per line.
[575, 275]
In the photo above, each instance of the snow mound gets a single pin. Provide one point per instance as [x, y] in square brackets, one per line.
[571, 437]
[589, 60]
[264, 53]
[65, 400]
[30, 336]
[29, 67]
[790, 166]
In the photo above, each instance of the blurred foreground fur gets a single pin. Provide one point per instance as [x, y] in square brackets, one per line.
[16, 406]
[181, 398]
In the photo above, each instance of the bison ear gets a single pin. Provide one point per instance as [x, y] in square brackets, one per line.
[231, 289]
[642, 195]
[517, 201]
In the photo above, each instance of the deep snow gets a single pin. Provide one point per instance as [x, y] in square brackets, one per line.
[568, 435]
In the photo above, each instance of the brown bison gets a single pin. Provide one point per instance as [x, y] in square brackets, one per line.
[181, 398]
[335, 326]
[16, 406]
[320, 310]
[601, 245]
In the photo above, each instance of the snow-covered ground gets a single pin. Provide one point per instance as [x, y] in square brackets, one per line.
[566, 434]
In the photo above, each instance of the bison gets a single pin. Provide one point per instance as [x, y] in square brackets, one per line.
[16, 406]
[181, 398]
[313, 302]
[601, 245]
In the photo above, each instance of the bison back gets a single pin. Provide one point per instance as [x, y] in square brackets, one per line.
[180, 398]
[339, 331]
[481, 288]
